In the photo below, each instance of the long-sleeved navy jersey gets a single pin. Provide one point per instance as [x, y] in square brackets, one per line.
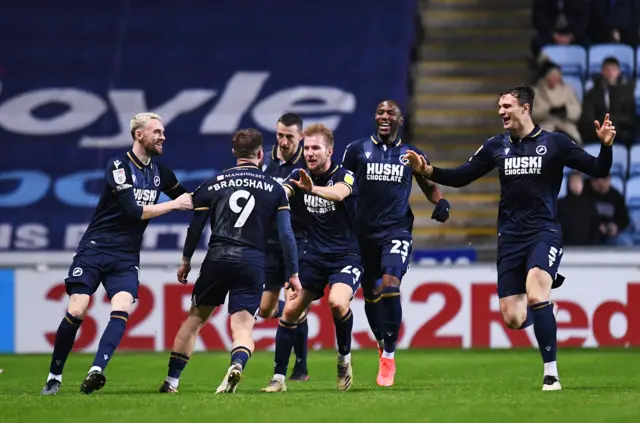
[384, 185]
[116, 226]
[242, 203]
[530, 177]
[279, 171]
[330, 225]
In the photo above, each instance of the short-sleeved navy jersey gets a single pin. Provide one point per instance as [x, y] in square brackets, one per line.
[384, 185]
[243, 202]
[531, 171]
[330, 225]
[279, 171]
[116, 227]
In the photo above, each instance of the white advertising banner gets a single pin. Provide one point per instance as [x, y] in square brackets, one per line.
[442, 307]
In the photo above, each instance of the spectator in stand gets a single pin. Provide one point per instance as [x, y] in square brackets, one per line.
[578, 214]
[561, 22]
[612, 94]
[556, 105]
[614, 21]
[612, 211]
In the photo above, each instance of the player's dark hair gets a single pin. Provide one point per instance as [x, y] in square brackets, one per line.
[246, 143]
[290, 119]
[523, 93]
[319, 129]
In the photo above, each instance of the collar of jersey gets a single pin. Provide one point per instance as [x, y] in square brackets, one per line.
[294, 159]
[244, 166]
[333, 169]
[536, 131]
[136, 161]
[378, 141]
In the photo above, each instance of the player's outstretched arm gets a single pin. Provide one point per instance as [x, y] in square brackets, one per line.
[478, 165]
[183, 202]
[337, 192]
[433, 194]
[578, 159]
[289, 248]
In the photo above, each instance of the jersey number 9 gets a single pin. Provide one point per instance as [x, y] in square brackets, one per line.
[245, 211]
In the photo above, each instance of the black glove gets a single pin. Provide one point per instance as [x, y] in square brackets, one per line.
[441, 211]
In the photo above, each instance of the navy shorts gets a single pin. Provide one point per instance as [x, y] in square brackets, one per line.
[316, 272]
[116, 273]
[242, 281]
[276, 273]
[389, 256]
[516, 258]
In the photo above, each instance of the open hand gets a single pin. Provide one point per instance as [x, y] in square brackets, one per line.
[418, 163]
[606, 132]
[305, 183]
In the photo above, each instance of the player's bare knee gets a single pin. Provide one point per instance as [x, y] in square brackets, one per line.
[241, 324]
[339, 299]
[78, 305]
[198, 315]
[538, 285]
[513, 311]
[268, 305]
[122, 301]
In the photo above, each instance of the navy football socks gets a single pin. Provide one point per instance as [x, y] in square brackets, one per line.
[110, 338]
[177, 363]
[546, 329]
[373, 309]
[65, 337]
[300, 341]
[529, 320]
[285, 336]
[392, 309]
[240, 355]
[344, 326]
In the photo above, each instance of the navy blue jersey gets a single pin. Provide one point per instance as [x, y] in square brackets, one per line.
[279, 171]
[384, 185]
[243, 203]
[116, 226]
[330, 225]
[530, 177]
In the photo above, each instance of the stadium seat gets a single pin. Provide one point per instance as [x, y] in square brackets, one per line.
[634, 161]
[618, 183]
[632, 197]
[576, 84]
[571, 59]
[624, 54]
[637, 95]
[563, 188]
[620, 158]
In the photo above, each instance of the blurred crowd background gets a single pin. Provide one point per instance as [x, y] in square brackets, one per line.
[73, 74]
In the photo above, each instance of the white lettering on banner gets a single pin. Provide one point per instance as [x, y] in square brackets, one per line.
[34, 236]
[443, 307]
[28, 236]
[239, 95]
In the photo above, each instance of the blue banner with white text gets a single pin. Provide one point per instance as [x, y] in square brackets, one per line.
[72, 77]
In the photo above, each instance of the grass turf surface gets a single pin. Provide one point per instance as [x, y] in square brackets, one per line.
[431, 386]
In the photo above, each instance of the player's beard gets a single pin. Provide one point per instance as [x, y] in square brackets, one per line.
[152, 150]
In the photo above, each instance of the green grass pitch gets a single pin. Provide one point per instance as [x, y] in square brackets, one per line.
[431, 386]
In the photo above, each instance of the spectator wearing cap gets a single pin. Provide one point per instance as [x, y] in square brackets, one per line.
[612, 94]
[556, 107]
